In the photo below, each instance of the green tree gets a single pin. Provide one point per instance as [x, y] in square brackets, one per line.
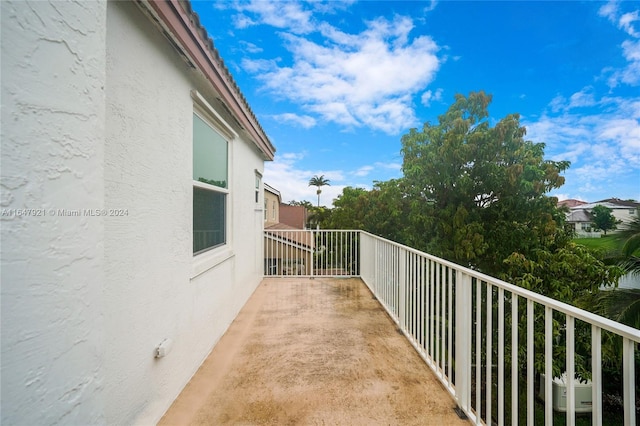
[478, 192]
[630, 233]
[318, 182]
[383, 211]
[603, 218]
[304, 203]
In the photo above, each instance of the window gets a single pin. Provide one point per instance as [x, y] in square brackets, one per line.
[257, 189]
[632, 211]
[210, 186]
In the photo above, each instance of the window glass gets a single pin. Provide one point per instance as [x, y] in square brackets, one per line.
[208, 219]
[210, 168]
[257, 188]
[209, 154]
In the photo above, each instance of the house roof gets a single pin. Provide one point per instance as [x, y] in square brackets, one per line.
[571, 203]
[618, 202]
[181, 25]
[578, 216]
[272, 190]
[609, 204]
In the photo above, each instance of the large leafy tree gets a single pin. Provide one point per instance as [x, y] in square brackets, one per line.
[603, 218]
[481, 189]
[480, 199]
[382, 211]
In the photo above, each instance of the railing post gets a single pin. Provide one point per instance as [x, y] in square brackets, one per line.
[314, 252]
[402, 288]
[463, 341]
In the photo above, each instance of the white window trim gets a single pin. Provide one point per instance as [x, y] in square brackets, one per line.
[213, 117]
[260, 190]
[209, 259]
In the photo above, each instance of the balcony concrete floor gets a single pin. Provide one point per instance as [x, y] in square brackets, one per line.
[313, 352]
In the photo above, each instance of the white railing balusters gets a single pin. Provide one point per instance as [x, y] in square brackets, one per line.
[463, 320]
[478, 351]
[628, 372]
[436, 323]
[489, 353]
[530, 359]
[500, 356]
[433, 302]
[548, 362]
[596, 375]
[450, 334]
[431, 310]
[571, 395]
[514, 359]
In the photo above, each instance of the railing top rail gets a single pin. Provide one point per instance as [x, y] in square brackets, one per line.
[604, 323]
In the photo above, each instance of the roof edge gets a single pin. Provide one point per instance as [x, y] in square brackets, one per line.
[183, 24]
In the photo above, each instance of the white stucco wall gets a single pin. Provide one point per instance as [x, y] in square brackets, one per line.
[86, 300]
[52, 160]
[150, 289]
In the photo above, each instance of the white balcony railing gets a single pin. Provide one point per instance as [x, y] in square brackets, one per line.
[477, 333]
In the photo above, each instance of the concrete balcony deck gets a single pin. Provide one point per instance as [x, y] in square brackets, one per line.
[309, 352]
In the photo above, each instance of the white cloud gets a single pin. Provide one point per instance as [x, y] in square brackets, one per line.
[626, 23]
[583, 98]
[304, 121]
[428, 97]
[558, 103]
[630, 74]
[292, 181]
[250, 47]
[366, 79]
[363, 171]
[603, 146]
[290, 15]
[609, 10]
[389, 166]
[432, 5]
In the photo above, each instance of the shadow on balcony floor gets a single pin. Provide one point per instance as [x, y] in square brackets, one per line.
[313, 351]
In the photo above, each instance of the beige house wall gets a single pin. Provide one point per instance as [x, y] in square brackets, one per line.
[271, 208]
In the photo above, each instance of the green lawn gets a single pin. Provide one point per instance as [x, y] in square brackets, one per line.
[605, 244]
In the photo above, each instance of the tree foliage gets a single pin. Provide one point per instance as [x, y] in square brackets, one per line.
[476, 194]
[382, 211]
[480, 190]
[318, 182]
[603, 218]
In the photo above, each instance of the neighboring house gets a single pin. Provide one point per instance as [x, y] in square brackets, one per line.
[295, 216]
[580, 223]
[580, 219]
[286, 241]
[272, 201]
[122, 236]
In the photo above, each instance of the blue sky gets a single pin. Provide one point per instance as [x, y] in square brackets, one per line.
[335, 84]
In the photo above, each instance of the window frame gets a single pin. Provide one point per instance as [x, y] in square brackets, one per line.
[258, 189]
[208, 258]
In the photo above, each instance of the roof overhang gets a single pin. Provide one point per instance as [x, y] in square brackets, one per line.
[183, 28]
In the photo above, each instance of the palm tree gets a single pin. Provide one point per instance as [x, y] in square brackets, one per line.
[630, 234]
[623, 305]
[318, 181]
